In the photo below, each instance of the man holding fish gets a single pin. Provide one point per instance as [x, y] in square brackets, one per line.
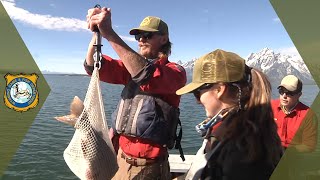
[147, 113]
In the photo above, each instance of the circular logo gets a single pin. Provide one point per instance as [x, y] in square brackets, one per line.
[146, 21]
[21, 92]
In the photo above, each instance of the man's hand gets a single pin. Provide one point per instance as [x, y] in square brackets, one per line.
[100, 18]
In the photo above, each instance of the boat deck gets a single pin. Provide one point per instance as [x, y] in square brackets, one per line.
[179, 167]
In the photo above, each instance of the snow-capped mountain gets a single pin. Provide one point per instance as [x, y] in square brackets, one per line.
[277, 65]
[274, 65]
[188, 65]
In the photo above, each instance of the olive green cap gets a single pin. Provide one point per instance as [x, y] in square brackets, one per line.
[151, 24]
[217, 66]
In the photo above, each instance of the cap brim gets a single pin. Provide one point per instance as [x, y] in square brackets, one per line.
[289, 88]
[188, 88]
[136, 31]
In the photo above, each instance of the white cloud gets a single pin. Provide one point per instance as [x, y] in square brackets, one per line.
[290, 51]
[126, 38]
[43, 21]
[9, 1]
[47, 21]
[206, 11]
[276, 20]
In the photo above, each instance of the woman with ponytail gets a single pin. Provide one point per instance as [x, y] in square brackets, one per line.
[240, 135]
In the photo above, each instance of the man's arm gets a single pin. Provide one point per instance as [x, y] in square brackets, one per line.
[102, 18]
[131, 59]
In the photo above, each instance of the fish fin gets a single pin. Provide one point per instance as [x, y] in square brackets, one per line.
[67, 119]
[76, 106]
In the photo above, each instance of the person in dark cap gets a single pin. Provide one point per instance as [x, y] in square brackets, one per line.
[147, 113]
[240, 135]
[297, 123]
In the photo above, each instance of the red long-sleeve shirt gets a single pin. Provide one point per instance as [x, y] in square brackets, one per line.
[298, 127]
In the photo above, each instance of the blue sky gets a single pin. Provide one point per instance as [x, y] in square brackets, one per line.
[56, 35]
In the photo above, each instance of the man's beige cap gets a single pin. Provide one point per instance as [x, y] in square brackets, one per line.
[291, 83]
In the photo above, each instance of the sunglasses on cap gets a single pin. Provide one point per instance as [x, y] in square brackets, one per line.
[197, 91]
[288, 93]
[145, 35]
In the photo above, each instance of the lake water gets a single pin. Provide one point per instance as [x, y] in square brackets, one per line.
[40, 156]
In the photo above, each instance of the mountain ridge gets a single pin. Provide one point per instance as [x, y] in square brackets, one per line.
[274, 65]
